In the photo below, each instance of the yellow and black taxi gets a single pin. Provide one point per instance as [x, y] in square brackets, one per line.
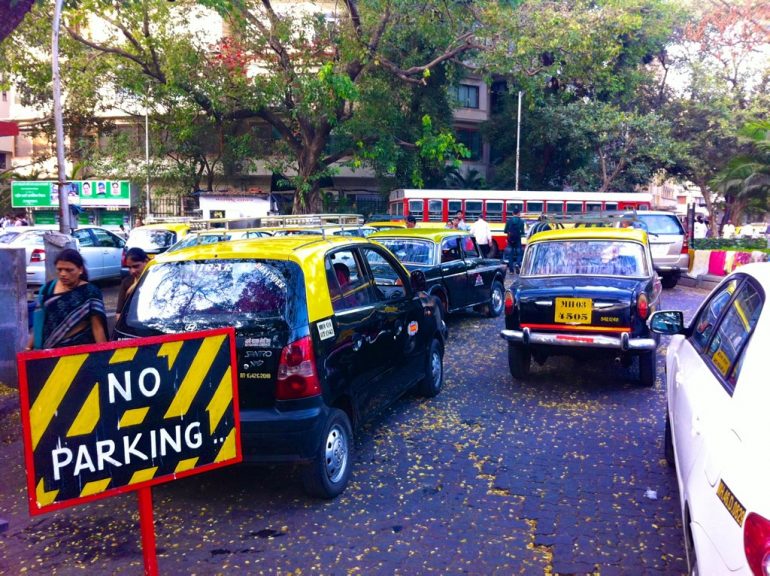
[455, 272]
[329, 331]
[583, 290]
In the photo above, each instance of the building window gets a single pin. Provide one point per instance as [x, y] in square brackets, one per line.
[4, 96]
[3, 164]
[467, 95]
[472, 141]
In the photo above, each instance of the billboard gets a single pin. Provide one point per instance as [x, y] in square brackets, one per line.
[110, 418]
[83, 193]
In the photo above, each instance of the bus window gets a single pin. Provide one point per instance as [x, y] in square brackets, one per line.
[610, 205]
[472, 210]
[453, 207]
[494, 211]
[554, 207]
[435, 210]
[575, 207]
[534, 206]
[416, 209]
[509, 206]
[593, 206]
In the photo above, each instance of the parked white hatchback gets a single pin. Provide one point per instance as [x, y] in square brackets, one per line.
[718, 423]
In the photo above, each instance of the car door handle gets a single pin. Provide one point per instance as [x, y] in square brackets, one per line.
[696, 427]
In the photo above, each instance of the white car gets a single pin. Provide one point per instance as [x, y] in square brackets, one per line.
[717, 424]
[101, 250]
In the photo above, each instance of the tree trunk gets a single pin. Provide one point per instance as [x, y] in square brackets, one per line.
[307, 195]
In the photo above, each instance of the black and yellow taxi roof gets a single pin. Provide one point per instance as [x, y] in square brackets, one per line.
[308, 252]
[591, 233]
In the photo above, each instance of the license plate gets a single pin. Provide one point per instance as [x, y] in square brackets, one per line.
[573, 310]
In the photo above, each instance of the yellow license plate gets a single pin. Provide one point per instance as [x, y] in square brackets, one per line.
[573, 310]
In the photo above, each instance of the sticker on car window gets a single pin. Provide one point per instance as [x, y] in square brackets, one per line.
[325, 330]
[721, 361]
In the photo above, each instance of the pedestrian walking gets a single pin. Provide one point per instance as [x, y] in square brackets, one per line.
[540, 226]
[514, 231]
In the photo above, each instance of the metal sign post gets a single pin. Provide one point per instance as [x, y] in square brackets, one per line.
[106, 419]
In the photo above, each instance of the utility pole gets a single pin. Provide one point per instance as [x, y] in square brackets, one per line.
[518, 137]
[64, 206]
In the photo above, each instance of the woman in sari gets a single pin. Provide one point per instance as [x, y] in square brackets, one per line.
[74, 308]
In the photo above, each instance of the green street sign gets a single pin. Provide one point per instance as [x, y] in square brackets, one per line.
[31, 194]
[85, 193]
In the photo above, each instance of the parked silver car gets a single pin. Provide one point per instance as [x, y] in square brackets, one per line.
[668, 244]
[101, 250]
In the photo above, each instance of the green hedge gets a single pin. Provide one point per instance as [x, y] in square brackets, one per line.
[738, 244]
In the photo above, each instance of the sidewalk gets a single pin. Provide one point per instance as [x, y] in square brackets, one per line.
[701, 282]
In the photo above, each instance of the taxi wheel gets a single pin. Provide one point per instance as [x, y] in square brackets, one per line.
[431, 385]
[327, 476]
[668, 443]
[519, 361]
[647, 369]
[496, 300]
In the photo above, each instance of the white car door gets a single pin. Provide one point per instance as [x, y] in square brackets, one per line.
[692, 387]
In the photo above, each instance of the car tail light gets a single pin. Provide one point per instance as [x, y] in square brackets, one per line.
[642, 306]
[123, 263]
[509, 303]
[756, 544]
[297, 376]
[685, 246]
[38, 255]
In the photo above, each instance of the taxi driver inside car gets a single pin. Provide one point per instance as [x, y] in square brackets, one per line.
[95, 457]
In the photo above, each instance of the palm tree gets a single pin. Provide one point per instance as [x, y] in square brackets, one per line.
[746, 178]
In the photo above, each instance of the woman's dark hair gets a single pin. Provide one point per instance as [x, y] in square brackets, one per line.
[73, 257]
[137, 254]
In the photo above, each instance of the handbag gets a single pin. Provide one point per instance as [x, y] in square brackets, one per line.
[38, 317]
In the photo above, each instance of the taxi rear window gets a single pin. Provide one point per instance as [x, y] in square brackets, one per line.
[195, 295]
[151, 239]
[586, 257]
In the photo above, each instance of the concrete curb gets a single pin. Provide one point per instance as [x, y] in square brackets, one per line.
[703, 282]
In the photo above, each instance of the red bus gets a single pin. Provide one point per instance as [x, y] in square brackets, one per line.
[437, 206]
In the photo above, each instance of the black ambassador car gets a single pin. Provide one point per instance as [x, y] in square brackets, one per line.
[455, 272]
[582, 291]
[329, 331]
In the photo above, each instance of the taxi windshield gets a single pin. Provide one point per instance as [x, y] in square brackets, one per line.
[195, 295]
[585, 258]
[410, 251]
[151, 239]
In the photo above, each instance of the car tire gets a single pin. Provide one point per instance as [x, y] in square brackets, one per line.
[519, 361]
[647, 369]
[668, 443]
[496, 300]
[328, 474]
[669, 281]
[433, 381]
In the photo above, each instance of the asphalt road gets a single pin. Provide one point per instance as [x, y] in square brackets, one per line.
[563, 474]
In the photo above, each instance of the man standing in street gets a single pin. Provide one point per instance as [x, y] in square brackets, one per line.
[411, 221]
[540, 226]
[461, 224]
[482, 233]
[699, 228]
[514, 230]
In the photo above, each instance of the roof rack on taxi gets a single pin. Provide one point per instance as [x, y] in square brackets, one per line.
[608, 218]
[279, 221]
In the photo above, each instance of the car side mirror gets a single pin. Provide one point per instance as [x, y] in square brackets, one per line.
[667, 322]
[417, 279]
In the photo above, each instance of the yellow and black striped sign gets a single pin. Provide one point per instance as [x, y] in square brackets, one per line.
[109, 418]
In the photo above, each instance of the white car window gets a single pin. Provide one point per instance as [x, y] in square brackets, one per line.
[706, 321]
